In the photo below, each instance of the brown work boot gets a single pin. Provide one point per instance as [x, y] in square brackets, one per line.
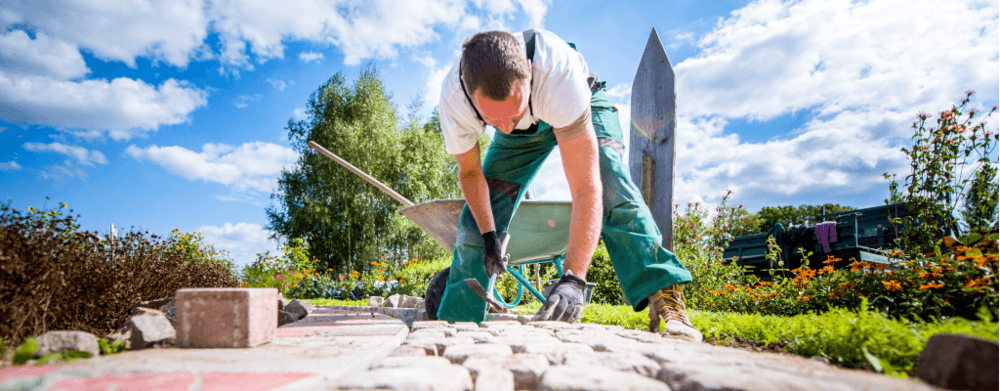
[668, 303]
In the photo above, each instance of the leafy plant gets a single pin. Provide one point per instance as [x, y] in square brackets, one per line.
[111, 348]
[938, 183]
[25, 352]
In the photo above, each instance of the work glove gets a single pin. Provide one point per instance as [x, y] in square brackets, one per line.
[492, 258]
[565, 301]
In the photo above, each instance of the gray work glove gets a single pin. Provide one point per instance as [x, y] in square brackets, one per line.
[492, 258]
[565, 301]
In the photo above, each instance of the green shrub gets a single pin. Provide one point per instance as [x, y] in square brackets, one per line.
[281, 272]
[57, 277]
[602, 273]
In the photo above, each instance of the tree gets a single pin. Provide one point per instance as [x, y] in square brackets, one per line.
[347, 222]
[981, 203]
[792, 215]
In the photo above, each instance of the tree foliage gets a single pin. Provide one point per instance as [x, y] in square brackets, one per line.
[347, 222]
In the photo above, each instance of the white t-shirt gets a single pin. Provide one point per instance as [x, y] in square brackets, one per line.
[560, 94]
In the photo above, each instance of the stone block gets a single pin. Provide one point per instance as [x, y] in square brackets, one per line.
[430, 347]
[465, 326]
[478, 336]
[627, 362]
[412, 351]
[959, 362]
[711, 376]
[427, 333]
[63, 341]
[286, 318]
[555, 352]
[492, 379]
[409, 361]
[429, 324]
[459, 353]
[400, 301]
[376, 301]
[527, 369]
[596, 378]
[282, 302]
[552, 325]
[149, 329]
[429, 378]
[226, 317]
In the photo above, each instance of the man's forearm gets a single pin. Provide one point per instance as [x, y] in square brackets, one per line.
[585, 229]
[477, 195]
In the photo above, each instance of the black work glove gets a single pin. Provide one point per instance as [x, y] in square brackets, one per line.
[565, 301]
[492, 258]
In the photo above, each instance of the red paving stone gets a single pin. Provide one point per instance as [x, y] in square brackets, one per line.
[182, 380]
[25, 371]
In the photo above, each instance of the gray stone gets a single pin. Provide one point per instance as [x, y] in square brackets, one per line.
[149, 329]
[641, 336]
[551, 325]
[376, 301]
[429, 324]
[959, 362]
[459, 353]
[478, 336]
[684, 377]
[429, 378]
[285, 317]
[527, 369]
[409, 361]
[518, 342]
[430, 348]
[63, 341]
[282, 302]
[169, 309]
[419, 304]
[300, 309]
[628, 362]
[555, 352]
[492, 379]
[465, 326]
[427, 333]
[400, 301]
[595, 378]
[411, 351]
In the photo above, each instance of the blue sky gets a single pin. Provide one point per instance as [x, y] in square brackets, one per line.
[170, 114]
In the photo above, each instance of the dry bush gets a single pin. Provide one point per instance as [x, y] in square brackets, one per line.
[55, 277]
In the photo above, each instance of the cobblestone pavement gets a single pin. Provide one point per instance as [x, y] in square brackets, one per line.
[518, 354]
[360, 348]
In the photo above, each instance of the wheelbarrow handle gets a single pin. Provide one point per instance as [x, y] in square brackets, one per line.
[392, 193]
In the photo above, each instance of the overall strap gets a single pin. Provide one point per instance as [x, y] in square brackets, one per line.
[529, 44]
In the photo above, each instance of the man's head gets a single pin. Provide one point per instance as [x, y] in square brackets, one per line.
[497, 74]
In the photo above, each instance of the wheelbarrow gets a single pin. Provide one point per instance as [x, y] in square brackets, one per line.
[539, 231]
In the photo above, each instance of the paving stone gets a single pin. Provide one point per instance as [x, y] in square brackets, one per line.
[435, 333]
[493, 379]
[413, 351]
[628, 362]
[599, 327]
[375, 301]
[460, 352]
[430, 347]
[226, 317]
[499, 324]
[517, 343]
[596, 378]
[551, 325]
[405, 362]
[591, 339]
[430, 378]
[465, 326]
[959, 362]
[150, 329]
[555, 352]
[687, 377]
[478, 336]
[526, 368]
[624, 346]
[641, 336]
[429, 324]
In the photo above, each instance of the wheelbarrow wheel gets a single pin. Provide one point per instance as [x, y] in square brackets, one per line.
[435, 290]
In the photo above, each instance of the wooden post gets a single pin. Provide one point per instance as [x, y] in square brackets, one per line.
[651, 159]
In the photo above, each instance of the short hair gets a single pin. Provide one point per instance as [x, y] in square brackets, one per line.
[491, 61]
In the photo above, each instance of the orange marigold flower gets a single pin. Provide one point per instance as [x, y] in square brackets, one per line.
[931, 285]
[974, 283]
[892, 285]
[827, 269]
[803, 298]
[730, 287]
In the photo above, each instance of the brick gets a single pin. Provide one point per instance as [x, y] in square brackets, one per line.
[555, 352]
[428, 324]
[430, 378]
[226, 317]
[596, 378]
[527, 369]
[492, 379]
[459, 353]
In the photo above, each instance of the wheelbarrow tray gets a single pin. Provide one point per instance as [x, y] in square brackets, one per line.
[539, 230]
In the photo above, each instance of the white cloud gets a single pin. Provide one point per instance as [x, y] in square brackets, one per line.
[279, 84]
[432, 90]
[300, 115]
[310, 56]
[124, 107]
[9, 166]
[243, 101]
[82, 155]
[58, 59]
[242, 240]
[861, 76]
[535, 10]
[250, 166]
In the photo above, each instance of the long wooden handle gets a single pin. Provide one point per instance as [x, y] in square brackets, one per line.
[392, 193]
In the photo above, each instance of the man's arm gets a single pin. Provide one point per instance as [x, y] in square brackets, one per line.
[474, 188]
[579, 158]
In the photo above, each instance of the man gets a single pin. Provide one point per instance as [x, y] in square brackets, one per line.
[535, 89]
